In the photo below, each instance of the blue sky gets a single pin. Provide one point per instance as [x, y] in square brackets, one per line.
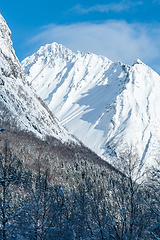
[119, 29]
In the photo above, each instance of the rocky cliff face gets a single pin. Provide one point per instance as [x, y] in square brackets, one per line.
[20, 108]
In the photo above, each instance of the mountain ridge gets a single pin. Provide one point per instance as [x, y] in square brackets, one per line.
[106, 105]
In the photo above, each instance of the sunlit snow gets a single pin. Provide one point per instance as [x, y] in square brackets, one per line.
[106, 105]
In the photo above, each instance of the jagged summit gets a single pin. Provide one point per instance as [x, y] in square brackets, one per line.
[138, 61]
[50, 52]
[55, 50]
[106, 105]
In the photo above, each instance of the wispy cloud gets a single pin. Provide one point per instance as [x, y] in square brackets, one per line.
[117, 40]
[115, 7]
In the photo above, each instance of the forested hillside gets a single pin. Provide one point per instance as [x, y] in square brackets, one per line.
[81, 200]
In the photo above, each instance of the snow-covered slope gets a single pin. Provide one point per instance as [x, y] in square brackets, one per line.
[106, 105]
[20, 108]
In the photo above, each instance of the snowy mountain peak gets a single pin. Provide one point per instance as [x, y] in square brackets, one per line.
[138, 61]
[55, 50]
[106, 105]
[54, 53]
